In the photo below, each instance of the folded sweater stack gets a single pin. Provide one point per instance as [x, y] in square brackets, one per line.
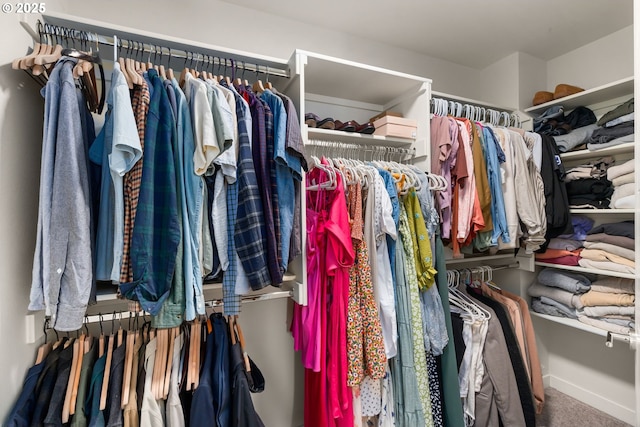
[609, 305]
[587, 184]
[558, 293]
[610, 247]
[623, 180]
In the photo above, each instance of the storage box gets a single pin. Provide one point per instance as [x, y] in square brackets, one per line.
[397, 127]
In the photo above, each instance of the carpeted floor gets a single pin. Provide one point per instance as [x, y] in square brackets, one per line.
[561, 410]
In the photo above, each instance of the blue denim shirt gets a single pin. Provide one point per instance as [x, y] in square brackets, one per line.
[390, 186]
[156, 232]
[494, 156]
[117, 148]
[191, 205]
[288, 167]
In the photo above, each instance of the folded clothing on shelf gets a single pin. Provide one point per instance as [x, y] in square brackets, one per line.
[616, 171]
[581, 226]
[607, 326]
[568, 281]
[621, 110]
[604, 135]
[622, 241]
[622, 228]
[606, 265]
[566, 244]
[614, 285]
[567, 298]
[613, 249]
[553, 122]
[575, 138]
[553, 310]
[594, 169]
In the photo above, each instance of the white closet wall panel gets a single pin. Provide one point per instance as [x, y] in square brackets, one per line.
[21, 112]
[499, 82]
[533, 77]
[605, 60]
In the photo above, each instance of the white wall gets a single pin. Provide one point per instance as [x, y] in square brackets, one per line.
[498, 83]
[21, 110]
[605, 60]
[223, 24]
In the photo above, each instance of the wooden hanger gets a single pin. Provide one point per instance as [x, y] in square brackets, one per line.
[107, 366]
[173, 333]
[157, 384]
[132, 338]
[73, 374]
[247, 365]
[45, 348]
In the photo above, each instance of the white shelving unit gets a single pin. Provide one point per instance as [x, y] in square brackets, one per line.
[570, 347]
[347, 90]
[613, 90]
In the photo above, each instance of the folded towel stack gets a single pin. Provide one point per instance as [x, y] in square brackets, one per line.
[623, 180]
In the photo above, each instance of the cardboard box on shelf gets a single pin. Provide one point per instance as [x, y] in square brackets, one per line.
[398, 127]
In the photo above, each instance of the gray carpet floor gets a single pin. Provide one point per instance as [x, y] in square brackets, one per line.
[561, 410]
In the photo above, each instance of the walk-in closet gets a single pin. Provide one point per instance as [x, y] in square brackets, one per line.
[301, 214]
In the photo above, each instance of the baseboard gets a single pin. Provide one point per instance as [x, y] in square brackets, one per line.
[592, 399]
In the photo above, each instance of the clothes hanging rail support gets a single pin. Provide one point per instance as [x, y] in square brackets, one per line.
[124, 315]
[460, 107]
[158, 46]
[359, 151]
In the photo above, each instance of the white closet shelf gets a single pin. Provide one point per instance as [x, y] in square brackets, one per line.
[602, 211]
[358, 138]
[340, 78]
[576, 324]
[611, 90]
[588, 154]
[586, 270]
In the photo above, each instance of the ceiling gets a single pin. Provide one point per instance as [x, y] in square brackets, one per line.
[472, 33]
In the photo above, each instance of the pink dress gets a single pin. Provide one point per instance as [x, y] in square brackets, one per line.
[330, 254]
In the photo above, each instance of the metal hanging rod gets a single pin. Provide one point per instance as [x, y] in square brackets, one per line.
[355, 150]
[474, 111]
[127, 43]
[493, 268]
[126, 314]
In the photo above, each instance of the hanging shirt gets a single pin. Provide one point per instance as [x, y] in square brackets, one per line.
[117, 149]
[207, 145]
[62, 266]
[191, 205]
[156, 233]
[250, 215]
[287, 169]
[152, 411]
[495, 156]
[132, 179]
[295, 147]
